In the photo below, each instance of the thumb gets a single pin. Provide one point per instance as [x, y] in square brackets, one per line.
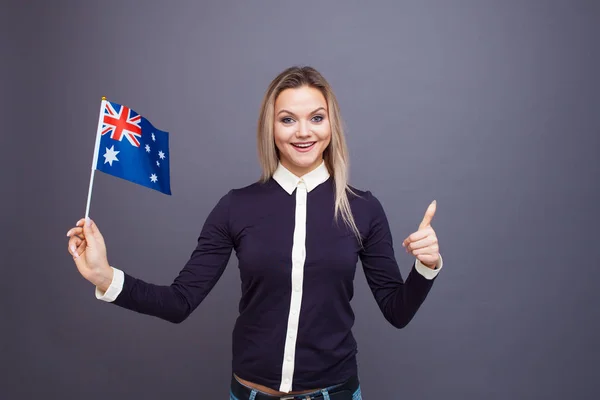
[429, 213]
[90, 230]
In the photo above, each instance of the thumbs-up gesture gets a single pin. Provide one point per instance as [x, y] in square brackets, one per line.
[423, 244]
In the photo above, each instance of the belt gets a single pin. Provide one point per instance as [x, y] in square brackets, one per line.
[343, 391]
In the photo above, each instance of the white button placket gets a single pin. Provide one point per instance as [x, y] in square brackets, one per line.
[298, 258]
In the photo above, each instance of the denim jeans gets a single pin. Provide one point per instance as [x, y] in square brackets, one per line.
[323, 395]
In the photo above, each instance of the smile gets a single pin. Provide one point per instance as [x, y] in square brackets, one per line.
[302, 147]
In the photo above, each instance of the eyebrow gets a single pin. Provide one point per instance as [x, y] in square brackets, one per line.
[289, 112]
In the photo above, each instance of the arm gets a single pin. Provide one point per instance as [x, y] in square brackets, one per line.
[397, 299]
[176, 302]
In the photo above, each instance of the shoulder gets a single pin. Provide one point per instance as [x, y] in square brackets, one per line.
[247, 197]
[250, 191]
[237, 201]
[364, 203]
[362, 197]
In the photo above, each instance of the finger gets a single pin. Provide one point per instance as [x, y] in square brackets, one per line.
[428, 259]
[90, 230]
[81, 248]
[76, 232]
[418, 235]
[77, 246]
[429, 213]
[75, 240]
[425, 242]
[74, 243]
[433, 249]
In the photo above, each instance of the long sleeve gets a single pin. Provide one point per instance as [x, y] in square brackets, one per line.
[115, 288]
[176, 302]
[397, 299]
[429, 273]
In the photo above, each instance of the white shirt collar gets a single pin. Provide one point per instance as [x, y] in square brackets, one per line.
[288, 181]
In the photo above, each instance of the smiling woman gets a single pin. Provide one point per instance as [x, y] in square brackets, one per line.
[293, 337]
[302, 131]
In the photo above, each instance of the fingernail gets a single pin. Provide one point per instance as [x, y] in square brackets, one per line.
[88, 221]
[74, 251]
[68, 233]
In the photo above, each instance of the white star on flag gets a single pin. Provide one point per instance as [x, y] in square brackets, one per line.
[147, 148]
[158, 163]
[161, 155]
[153, 138]
[110, 155]
[153, 178]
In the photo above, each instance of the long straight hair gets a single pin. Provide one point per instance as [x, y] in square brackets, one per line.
[336, 153]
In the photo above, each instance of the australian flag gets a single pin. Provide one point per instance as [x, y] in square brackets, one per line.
[131, 148]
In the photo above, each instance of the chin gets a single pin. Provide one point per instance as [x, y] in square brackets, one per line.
[302, 163]
[313, 162]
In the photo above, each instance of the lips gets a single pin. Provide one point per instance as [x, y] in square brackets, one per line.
[303, 147]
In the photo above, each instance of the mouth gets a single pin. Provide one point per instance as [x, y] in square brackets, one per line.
[303, 147]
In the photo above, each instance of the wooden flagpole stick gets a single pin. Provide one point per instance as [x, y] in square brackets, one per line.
[95, 159]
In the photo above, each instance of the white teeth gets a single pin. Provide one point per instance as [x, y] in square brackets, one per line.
[303, 145]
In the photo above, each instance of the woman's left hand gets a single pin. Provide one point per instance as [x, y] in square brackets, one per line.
[423, 244]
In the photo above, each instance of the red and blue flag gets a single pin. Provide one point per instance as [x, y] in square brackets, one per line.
[131, 148]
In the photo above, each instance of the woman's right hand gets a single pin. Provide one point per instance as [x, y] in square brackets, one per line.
[87, 247]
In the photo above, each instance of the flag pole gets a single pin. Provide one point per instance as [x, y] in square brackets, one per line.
[95, 159]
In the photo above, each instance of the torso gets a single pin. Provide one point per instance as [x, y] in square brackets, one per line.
[262, 225]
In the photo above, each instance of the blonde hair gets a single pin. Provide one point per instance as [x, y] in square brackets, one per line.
[336, 153]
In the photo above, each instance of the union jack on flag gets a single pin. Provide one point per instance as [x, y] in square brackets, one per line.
[142, 158]
[122, 122]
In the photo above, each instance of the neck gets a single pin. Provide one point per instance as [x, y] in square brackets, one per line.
[299, 171]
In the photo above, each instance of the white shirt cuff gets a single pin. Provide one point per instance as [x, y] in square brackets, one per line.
[116, 286]
[427, 272]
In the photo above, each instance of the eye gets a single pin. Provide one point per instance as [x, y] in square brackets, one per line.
[287, 120]
[318, 118]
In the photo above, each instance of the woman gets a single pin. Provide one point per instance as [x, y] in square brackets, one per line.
[298, 233]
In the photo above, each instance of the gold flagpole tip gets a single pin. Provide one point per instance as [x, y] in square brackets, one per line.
[103, 98]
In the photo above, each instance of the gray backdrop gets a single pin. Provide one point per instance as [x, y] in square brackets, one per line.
[490, 107]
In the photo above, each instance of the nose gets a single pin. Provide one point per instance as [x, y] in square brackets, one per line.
[303, 130]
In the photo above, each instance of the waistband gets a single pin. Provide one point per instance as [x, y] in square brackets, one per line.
[342, 391]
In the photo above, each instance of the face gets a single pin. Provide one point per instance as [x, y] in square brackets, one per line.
[302, 130]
